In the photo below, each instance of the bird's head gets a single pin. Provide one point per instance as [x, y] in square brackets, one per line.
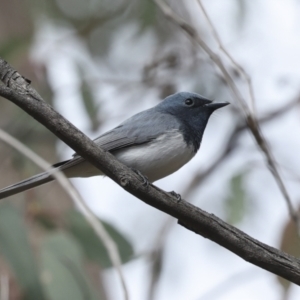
[189, 105]
[192, 111]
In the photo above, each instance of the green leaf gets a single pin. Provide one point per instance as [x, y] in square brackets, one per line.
[237, 202]
[63, 273]
[45, 221]
[89, 101]
[92, 245]
[90, 104]
[12, 46]
[14, 246]
[147, 14]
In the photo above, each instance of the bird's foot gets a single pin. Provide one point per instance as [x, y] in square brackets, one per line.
[177, 196]
[145, 181]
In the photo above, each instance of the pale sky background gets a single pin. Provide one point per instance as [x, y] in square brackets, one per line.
[268, 47]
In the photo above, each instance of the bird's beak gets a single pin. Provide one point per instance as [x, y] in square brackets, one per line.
[216, 105]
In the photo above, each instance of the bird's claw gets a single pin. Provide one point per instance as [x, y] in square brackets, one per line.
[177, 196]
[145, 181]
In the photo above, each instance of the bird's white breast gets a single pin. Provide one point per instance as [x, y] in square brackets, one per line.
[156, 159]
[159, 158]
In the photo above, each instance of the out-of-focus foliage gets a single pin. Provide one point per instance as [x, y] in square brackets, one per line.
[62, 263]
[237, 202]
[93, 248]
[15, 247]
[60, 255]
[91, 104]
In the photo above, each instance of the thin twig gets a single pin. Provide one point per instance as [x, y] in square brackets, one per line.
[250, 118]
[94, 222]
[229, 56]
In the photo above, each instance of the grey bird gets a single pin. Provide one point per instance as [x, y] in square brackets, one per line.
[156, 142]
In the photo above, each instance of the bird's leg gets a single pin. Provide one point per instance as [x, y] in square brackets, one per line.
[174, 194]
[145, 181]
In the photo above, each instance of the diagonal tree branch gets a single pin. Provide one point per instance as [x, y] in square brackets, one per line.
[18, 90]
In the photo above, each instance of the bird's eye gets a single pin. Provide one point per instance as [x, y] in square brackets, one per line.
[189, 102]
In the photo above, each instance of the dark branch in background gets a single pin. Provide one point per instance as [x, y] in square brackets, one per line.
[18, 90]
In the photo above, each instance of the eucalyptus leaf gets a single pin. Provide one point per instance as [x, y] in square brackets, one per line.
[92, 245]
[237, 201]
[15, 247]
[148, 15]
[63, 273]
[90, 104]
[11, 47]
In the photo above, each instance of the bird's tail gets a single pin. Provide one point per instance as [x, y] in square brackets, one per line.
[26, 184]
[31, 182]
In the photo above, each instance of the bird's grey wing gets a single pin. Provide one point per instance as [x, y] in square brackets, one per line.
[139, 129]
[142, 128]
